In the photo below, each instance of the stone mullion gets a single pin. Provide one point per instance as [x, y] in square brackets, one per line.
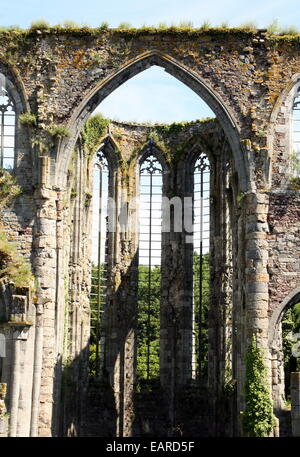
[239, 311]
[168, 317]
[183, 187]
[131, 305]
[215, 318]
[122, 307]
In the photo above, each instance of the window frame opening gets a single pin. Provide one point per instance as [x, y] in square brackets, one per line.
[4, 125]
[201, 267]
[150, 281]
[98, 294]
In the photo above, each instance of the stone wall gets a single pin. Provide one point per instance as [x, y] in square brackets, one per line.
[60, 76]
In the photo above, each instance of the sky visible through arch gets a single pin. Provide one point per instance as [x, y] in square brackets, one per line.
[154, 96]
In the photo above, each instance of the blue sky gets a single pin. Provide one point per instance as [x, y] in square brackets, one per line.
[152, 95]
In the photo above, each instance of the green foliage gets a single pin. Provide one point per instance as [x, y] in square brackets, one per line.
[104, 25]
[93, 132]
[70, 25]
[97, 323]
[58, 131]
[224, 25]
[162, 26]
[148, 321]
[96, 58]
[40, 24]
[294, 182]
[28, 120]
[203, 287]
[273, 27]
[13, 266]
[290, 324]
[125, 25]
[205, 25]
[258, 417]
[290, 30]
[240, 197]
[9, 188]
[149, 317]
[249, 26]
[186, 25]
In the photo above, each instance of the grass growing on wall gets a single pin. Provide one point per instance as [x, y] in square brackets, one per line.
[13, 266]
[9, 189]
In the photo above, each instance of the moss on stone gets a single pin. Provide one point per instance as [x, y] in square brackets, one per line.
[41, 27]
[13, 266]
[9, 188]
[58, 131]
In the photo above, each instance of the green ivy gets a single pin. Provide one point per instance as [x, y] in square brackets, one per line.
[93, 132]
[258, 418]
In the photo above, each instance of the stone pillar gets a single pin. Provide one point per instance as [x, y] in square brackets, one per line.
[256, 279]
[122, 304]
[295, 400]
[45, 265]
[19, 333]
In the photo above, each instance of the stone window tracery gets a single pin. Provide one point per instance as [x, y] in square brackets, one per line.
[7, 135]
[149, 269]
[201, 274]
[99, 263]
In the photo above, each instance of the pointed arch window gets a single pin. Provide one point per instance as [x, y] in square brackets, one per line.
[7, 126]
[99, 263]
[201, 273]
[148, 340]
[296, 135]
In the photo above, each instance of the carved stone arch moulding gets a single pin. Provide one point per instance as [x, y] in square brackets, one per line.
[279, 133]
[290, 300]
[186, 76]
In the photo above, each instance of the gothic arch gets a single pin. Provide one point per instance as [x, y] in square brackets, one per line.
[16, 87]
[23, 152]
[277, 129]
[186, 76]
[290, 300]
[156, 152]
[282, 97]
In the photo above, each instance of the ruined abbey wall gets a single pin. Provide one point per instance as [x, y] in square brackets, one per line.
[61, 76]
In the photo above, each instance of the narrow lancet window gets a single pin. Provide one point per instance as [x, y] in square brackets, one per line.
[149, 269]
[99, 264]
[201, 274]
[8, 123]
[296, 135]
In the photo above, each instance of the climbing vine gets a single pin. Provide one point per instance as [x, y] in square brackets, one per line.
[93, 132]
[258, 417]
